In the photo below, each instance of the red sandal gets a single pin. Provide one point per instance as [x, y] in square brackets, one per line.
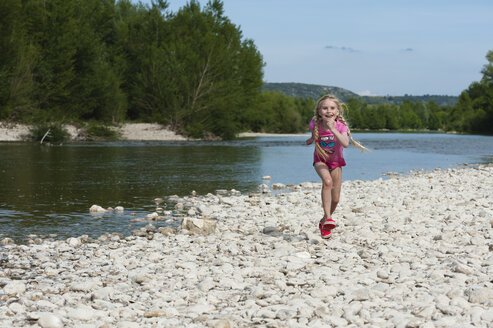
[329, 224]
[326, 226]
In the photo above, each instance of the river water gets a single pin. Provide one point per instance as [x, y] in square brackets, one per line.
[48, 190]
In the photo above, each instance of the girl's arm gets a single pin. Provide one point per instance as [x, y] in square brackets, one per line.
[342, 137]
[310, 140]
[311, 127]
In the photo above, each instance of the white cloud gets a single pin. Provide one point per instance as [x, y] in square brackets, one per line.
[366, 93]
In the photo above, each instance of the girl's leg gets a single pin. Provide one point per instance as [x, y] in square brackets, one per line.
[324, 174]
[336, 176]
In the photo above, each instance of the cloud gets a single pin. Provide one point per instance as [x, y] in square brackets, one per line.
[343, 48]
[366, 93]
[408, 50]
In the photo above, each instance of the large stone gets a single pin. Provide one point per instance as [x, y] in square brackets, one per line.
[202, 226]
[49, 320]
[7, 241]
[479, 294]
[74, 242]
[15, 288]
[96, 209]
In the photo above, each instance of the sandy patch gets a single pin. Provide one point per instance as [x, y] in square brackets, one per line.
[14, 132]
[148, 131]
[129, 131]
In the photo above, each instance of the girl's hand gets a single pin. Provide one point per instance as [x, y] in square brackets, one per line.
[309, 141]
[331, 123]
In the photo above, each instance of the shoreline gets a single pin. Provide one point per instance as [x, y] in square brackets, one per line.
[129, 132]
[157, 132]
[407, 251]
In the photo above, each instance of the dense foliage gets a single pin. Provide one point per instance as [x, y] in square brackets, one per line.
[68, 60]
[107, 61]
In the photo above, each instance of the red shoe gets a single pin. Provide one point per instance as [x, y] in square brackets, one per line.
[329, 224]
[324, 225]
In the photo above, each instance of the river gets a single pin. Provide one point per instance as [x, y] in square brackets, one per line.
[48, 190]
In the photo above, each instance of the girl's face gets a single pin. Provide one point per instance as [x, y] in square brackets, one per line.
[328, 110]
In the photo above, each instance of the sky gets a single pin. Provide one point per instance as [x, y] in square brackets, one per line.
[370, 47]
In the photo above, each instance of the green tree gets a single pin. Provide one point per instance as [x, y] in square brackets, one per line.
[353, 113]
[51, 27]
[17, 60]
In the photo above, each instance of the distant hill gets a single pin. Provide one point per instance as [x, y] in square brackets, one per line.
[310, 90]
[315, 91]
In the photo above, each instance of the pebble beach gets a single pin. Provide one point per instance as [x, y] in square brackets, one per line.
[408, 251]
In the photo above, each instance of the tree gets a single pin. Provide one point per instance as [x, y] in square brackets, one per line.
[17, 60]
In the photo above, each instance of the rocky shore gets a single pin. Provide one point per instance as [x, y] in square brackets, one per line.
[409, 251]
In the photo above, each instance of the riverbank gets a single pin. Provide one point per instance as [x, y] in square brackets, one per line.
[128, 131]
[408, 251]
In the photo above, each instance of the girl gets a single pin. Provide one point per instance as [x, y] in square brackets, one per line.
[331, 133]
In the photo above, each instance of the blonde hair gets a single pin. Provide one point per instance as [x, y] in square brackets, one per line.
[340, 106]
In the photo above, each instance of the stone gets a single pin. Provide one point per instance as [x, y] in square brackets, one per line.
[82, 313]
[362, 294]
[272, 231]
[222, 323]
[73, 242]
[128, 324]
[382, 274]
[85, 286]
[15, 288]
[479, 294]
[487, 315]
[201, 308]
[206, 284]
[16, 308]
[49, 320]
[138, 276]
[166, 231]
[277, 186]
[152, 216]
[201, 226]
[104, 293]
[96, 209]
[7, 241]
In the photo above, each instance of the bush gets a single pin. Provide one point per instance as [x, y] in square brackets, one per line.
[97, 132]
[51, 132]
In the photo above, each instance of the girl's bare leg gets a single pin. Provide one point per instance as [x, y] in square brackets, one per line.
[324, 174]
[336, 175]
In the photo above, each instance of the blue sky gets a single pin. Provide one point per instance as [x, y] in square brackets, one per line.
[379, 47]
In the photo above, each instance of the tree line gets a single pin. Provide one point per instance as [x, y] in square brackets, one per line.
[112, 61]
[473, 112]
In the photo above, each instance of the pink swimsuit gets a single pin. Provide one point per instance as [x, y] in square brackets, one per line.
[330, 145]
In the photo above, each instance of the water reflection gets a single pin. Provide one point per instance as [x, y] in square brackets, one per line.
[50, 189]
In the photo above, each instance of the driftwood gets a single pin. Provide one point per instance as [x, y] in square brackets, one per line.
[41, 142]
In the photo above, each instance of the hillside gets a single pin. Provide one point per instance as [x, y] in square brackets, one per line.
[309, 90]
[315, 91]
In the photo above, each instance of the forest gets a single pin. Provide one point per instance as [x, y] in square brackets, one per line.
[106, 62]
